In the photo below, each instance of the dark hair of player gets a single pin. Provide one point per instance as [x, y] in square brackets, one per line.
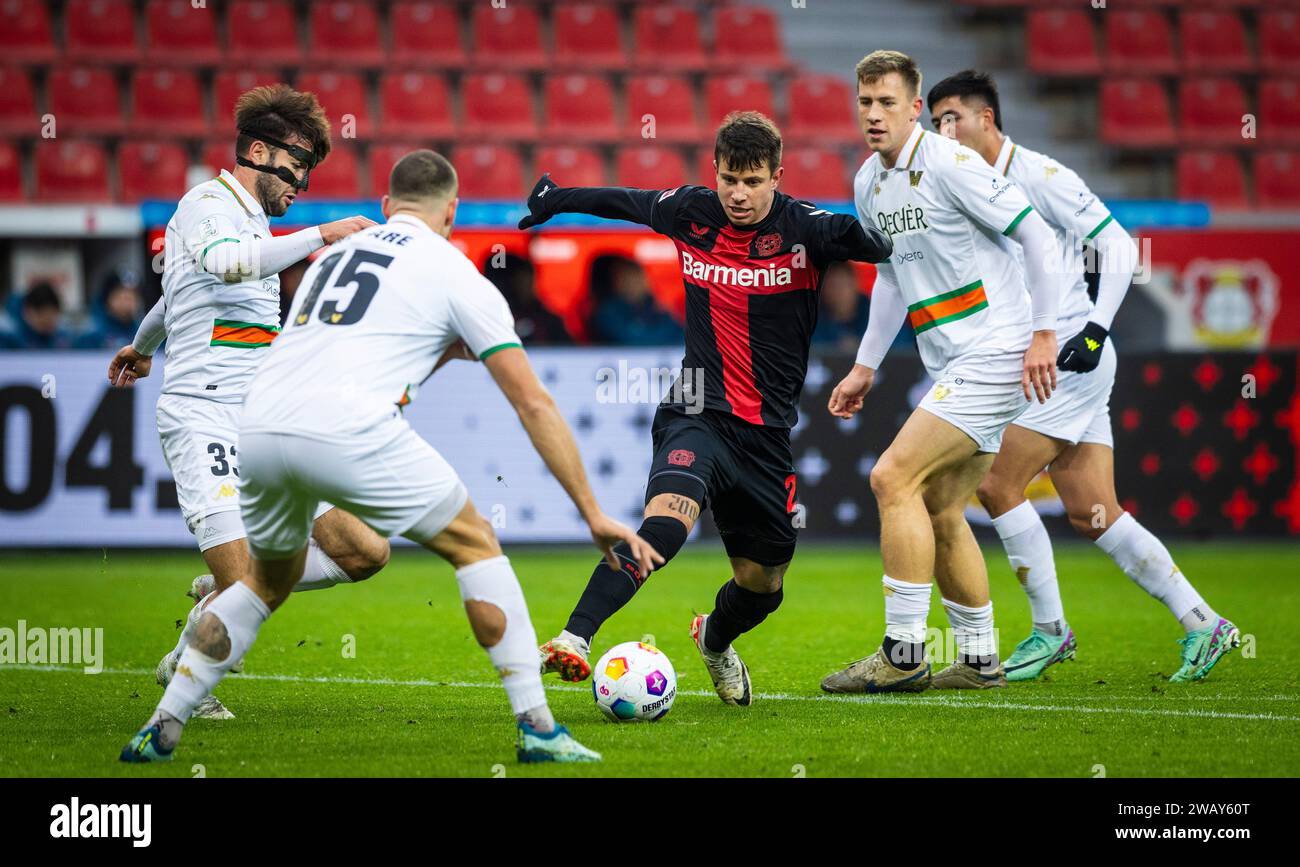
[878, 64]
[748, 140]
[422, 175]
[277, 111]
[967, 84]
[41, 296]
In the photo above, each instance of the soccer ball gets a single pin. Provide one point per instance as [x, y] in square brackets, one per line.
[634, 681]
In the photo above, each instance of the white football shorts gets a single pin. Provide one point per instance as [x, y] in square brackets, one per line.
[1079, 409]
[388, 477]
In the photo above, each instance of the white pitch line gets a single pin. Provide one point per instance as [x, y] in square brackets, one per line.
[928, 700]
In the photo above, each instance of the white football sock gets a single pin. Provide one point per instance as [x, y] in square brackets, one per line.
[242, 612]
[973, 630]
[906, 607]
[192, 623]
[515, 655]
[320, 571]
[1029, 549]
[1144, 559]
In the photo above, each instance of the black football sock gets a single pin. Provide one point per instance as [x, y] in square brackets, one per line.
[608, 589]
[735, 612]
[987, 664]
[904, 655]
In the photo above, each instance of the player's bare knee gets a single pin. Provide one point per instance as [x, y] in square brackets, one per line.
[211, 638]
[366, 560]
[758, 578]
[487, 620]
[994, 495]
[888, 483]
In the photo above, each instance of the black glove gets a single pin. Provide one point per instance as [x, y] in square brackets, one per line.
[538, 212]
[1082, 352]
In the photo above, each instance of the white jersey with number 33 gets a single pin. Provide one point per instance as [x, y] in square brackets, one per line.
[369, 321]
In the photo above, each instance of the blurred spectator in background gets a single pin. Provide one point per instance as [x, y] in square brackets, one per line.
[36, 321]
[626, 312]
[535, 325]
[842, 319]
[115, 313]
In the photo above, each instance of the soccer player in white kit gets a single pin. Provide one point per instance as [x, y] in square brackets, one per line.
[219, 311]
[323, 421]
[1071, 433]
[985, 327]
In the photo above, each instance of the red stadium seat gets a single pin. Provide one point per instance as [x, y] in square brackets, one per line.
[1062, 43]
[18, 115]
[382, 158]
[339, 177]
[588, 36]
[1140, 41]
[821, 110]
[1135, 113]
[101, 31]
[579, 108]
[670, 100]
[1279, 111]
[1277, 179]
[152, 170]
[817, 174]
[84, 101]
[1279, 41]
[650, 167]
[571, 166]
[226, 90]
[343, 95]
[727, 93]
[178, 34]
[11, 173]
[1214, 177]
[1210, 111]
[667, 39]
[508, 38]
[489, 172]
[68, 170]
[1215, 41]
[747, 38]
[262, 33]
[25, 32]
[497, 106]
[425, 34]
[218, 155]
[345, 33]
[167, 102]
[415, 105]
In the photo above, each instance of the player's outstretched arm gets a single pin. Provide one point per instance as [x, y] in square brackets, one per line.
[553, 440]
[236, 258]
[611, 203]
[841, 237]
[135, 361]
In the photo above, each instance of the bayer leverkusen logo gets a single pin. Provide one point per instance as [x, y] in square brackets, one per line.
[768, 244]
[681, 457]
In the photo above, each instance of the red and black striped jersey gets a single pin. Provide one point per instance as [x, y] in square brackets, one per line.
[751, 291]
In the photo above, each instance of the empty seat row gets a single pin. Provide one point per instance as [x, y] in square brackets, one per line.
[84, 171]
[350, 33]
[575, 107]
[1064, 42]
[1137, 112]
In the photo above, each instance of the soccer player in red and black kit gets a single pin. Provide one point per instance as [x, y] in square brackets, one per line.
[752, 260]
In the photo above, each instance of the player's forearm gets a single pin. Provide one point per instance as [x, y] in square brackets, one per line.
[1118, 260]
[553, 440]
[852, 241]
[886, 316]
[1039, 244]
[610, 203]
[152, 330]
[235, 260]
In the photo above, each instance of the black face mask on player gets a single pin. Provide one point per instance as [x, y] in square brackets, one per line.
[302, 155]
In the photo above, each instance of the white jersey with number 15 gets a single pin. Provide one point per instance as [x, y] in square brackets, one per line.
[369, 321]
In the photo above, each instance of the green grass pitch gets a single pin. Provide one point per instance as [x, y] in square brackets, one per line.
[419, 697]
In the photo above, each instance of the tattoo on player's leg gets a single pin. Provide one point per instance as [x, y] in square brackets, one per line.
[211, 638]
[682, 506]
